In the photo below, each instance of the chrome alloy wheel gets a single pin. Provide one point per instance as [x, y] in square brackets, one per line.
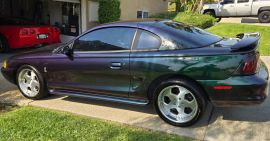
[177, 104]
[28, 82]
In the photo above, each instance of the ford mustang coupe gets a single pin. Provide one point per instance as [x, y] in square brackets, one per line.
[176, 67]
[19, 33]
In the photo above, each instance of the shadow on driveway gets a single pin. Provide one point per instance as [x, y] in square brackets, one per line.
[250, 20]
[258, 113]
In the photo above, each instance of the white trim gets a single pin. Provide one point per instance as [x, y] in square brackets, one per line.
[84, 15]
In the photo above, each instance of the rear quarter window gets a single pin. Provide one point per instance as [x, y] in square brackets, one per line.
[147, 41]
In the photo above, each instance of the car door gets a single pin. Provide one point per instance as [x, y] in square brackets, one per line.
[227, 8]
[243, 7]
[142, 61]
[99, 64]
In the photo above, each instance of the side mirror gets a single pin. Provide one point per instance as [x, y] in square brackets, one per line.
[68, 51]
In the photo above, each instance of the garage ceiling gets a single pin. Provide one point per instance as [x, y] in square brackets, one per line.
[71, 1]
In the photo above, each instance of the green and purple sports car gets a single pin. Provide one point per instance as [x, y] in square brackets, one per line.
[176, 67]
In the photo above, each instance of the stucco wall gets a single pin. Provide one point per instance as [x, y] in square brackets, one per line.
[129, 8]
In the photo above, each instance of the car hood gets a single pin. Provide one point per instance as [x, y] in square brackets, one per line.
[39, 53]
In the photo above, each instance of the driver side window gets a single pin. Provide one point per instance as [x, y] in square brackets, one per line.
[106, 39]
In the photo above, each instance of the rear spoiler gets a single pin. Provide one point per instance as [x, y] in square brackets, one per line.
[248, 41]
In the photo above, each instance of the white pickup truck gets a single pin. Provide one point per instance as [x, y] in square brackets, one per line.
[240, 8]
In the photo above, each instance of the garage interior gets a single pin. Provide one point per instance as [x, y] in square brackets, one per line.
[64, 14]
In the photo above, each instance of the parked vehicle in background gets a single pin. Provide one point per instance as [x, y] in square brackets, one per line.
[240, 8]
[20, 33]
[176, 67]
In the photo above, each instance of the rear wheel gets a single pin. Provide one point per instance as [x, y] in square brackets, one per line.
[31, 83]
[3, 44]
[264, 17]
[179, 102]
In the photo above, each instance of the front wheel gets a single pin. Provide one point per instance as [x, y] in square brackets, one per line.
[264, 17]
[179, 102]
[31, 83]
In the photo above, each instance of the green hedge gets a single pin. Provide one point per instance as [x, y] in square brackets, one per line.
[165, 15]
[194, 19]
[109, 11]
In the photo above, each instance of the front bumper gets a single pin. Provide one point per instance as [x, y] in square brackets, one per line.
[246, 90]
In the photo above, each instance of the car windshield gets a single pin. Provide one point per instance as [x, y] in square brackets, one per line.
[189, 36]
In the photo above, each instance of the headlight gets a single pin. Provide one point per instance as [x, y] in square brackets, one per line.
[5, 64]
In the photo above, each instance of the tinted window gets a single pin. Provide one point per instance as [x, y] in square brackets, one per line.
[107, 39]
[242, 1]
[187, 36]
[148, 40]
[228, 1]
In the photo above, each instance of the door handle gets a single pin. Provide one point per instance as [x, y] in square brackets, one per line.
[116, 66]
[246, 4]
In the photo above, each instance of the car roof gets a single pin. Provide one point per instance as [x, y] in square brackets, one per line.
[144, 23]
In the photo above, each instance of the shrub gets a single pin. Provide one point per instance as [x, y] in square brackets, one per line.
[164, 15]
[198, 20]
[194, 19]
[109, 11]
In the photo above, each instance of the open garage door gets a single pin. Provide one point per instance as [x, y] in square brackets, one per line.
[64, 14]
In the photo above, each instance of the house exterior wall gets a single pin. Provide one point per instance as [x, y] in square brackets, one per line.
[129, 8]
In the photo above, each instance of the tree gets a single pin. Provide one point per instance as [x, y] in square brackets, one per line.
[188, 5]
[109, 11]
[200, 7]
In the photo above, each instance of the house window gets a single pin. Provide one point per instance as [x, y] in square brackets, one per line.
[142, 14]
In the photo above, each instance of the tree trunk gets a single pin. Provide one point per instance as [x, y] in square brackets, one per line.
[195, 6]
[201, 5]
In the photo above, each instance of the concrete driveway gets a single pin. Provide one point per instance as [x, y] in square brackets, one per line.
[226, 124]
[244, 20]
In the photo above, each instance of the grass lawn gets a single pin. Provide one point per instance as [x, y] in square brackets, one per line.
[30, 123]
[230, 30]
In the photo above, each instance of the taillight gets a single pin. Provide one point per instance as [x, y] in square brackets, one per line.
[24, 32]
[56, 29]
[250, 65]
[32, 31]
[50, 29]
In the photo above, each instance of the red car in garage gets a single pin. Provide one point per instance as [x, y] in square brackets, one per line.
[19, 33]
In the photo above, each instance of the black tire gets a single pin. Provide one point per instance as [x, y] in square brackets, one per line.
[218, 19]
[264, 17]
[3, 45]
[189, 85]
[211, 13]
[43, 91]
